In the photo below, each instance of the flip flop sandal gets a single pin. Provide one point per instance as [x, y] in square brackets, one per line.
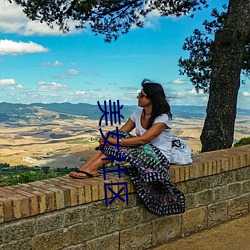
[87, 175]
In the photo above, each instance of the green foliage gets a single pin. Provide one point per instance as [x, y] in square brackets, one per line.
[23, 174]
[109, 17]
[198, 67]
[242, 142]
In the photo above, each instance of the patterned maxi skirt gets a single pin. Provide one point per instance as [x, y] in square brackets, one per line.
[149, 172]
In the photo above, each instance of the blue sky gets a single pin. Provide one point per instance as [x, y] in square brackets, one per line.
[38, 64]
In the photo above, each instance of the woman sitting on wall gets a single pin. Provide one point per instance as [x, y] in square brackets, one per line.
[148, 153]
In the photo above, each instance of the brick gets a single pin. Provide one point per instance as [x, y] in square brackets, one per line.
[7, 209]
[248, 159]
[182, 186]
[96, 183]
[33, 205]
[1, 211]
[73, 194]
[110, 242]
[177, 174]
[245, 186]
[43, 197]
[234, 189]
[50, 201]
[217, 213]
[194, 220]
[94, 192]
[18, 230]
[129, 217]
[78, 184]
[59, 198]
[182, 174]
[49, 222]
[6, 192]
[51, 240]
[187, 172]
[225, 165]
[66, 195]
[81, 232]
[105, 224]
[210, 168]
[165, 229]
[238, 165]
[201, 170]
[190, 202]
[87, 192]
[243, 160]
[231, 163]
[247, 173]
[197, 185]
[172, 173]
[214, 167]
[33, 201]
[238, 206]
[74, 215]
[41, 202]
[101, 192]
[240, 174]
[25, 204]
[17, 211]
[197, 170]
[235, 161]
[203, 198]
[138, 237]
[220, 193]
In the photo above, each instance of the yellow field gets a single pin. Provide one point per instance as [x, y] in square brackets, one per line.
[32, 145]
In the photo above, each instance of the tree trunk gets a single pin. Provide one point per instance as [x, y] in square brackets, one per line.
[227, 56]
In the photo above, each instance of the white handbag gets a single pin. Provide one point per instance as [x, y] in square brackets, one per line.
[180, 152]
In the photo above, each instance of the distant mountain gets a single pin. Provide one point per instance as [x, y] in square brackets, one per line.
[41, 112]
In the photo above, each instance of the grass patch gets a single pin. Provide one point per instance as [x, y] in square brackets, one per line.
[23, 174]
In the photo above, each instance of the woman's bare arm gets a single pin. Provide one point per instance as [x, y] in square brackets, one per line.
[135, 141]
[128, 126]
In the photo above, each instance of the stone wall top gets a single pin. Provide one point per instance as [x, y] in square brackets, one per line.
[39, 197]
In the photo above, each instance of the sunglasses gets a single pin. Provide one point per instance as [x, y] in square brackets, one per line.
[140, 94]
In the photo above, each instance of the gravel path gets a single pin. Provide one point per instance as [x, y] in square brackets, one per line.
[232, 235]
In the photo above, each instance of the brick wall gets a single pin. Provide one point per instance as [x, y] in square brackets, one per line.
[65, 213]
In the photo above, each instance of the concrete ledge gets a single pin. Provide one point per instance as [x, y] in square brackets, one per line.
[40, 214]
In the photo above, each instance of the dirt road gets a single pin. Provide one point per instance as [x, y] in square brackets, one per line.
[233, 235]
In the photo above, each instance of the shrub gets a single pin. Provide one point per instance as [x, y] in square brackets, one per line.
[23, 174]
[242, 142]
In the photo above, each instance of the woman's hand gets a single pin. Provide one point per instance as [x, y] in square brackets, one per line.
[110, 140]
[101, 142]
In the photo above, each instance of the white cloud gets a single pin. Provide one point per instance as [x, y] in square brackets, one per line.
[55, 63]
[80, 92]
[15, 48]
[7, 82]
[246, 93]
[73, 72]
[13, 20]
[51, 86]
[19, 86]
[178, 81]
[194, 92]
[10, 84]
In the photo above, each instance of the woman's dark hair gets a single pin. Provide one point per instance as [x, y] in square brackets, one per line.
[156, 94]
